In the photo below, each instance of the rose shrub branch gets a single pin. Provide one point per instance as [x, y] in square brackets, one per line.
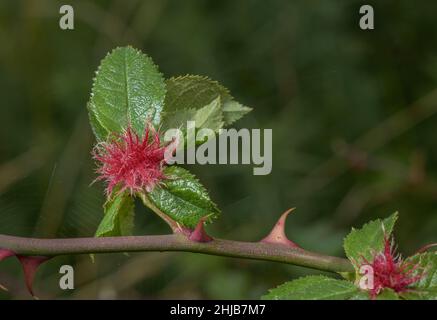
[174, 242]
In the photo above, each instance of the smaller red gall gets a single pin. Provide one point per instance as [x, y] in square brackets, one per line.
[391, 271]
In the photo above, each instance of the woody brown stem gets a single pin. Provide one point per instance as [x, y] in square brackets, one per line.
[175, 242]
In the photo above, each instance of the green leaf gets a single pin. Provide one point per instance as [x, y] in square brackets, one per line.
[350, 276]
[426, 287]
[420, 294]
[100, 132]
[192, 92]
[118, 218]
[427, 264]
[233, 111]
[127, 89]
[178, 120]
[364, 242]
[360, 295]
[210, 116]
[183, 198]
[313, 288]
[189, 93]
[387, 294]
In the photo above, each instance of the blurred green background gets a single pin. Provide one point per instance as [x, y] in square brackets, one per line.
[353, 115]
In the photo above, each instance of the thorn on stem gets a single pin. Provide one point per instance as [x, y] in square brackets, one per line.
[199, 234]
[277, 235]
[30, 266]
[5, 253]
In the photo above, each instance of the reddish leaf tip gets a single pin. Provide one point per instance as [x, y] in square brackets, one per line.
[199, 234]
[277, 235]
[30, 265]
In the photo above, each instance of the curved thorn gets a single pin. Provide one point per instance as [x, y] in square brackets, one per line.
[30, 266]
[277, 235]
[199, 234]
[5, 253]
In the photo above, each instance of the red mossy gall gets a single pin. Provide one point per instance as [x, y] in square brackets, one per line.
[130, 162]
[391, 271]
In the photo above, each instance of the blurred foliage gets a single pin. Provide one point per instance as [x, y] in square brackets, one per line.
[353, 115]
